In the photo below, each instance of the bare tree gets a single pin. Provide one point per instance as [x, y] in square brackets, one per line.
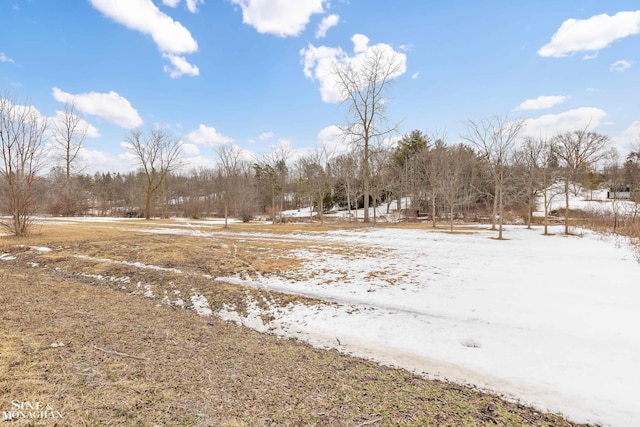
[69, 132]
[379, 160]
[157, 154]
[316, 175]
[539, 174]
[456, 178]
[577, 151]
[528, 161]
[345, 168]
[273, 169]
[617, 183]
[495, 139]
[363, 88]
[22, 145]
[234, 170]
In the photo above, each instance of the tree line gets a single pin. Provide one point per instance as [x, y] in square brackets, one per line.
[491, 174]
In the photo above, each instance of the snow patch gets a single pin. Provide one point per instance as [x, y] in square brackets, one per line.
[132, 264]
[200, 304]
[36, 248]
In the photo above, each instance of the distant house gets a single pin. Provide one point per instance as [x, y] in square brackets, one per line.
[620, 193]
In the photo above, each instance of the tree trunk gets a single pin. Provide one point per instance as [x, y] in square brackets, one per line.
[433, 207]
[546, 213]
[348, 202]
[366, 180]
[530, 202]
[501, 208]
[495, 210]
[374, 199]
[566, 205]
[273, 206]
[147, 206]
[451, 217]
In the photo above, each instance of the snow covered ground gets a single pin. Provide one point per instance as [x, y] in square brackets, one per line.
[552, 321]
[549, 320]
[589, 201]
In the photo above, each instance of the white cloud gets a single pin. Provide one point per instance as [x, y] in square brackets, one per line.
[190, 164]
[327, 22]
[280, 17]
[405, 47]
[192, 5]
[180, 66]
[266, 135]
[332, 140]
[108, 106]
[588, 56]
[246, 155]
[360, 43]
[622, 65]
[549, 125]
[415, 75]
[144, 16]
[99, 161]
[592, 34]
[629, 140]
[27, 110]
[30, 111]
[541, 102]
[190, 149]
[171, 37]
[207, 136]
[5, 58]
[91, 131]
[319, 61]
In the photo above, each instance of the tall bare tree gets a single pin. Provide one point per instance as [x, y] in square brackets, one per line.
[22, 145]
[345, 168]
[528, 160]
[315, 172]
[363, 87]
[430, 161]
[456, 178]
[69, 132]
[274, 170]
[539, 174]
[577, 151]
[495, 138]
[234, 170]
[158, 154]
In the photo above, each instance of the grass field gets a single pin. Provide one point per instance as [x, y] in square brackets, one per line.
[98, 321]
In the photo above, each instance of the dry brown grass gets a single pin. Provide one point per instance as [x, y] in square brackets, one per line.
[134, 361]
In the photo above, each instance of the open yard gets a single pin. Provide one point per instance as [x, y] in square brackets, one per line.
[119, 323]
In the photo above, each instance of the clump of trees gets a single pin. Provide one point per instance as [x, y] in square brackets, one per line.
[490, 174]
[22, 148]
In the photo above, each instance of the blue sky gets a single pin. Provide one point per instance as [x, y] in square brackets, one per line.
[254, 72]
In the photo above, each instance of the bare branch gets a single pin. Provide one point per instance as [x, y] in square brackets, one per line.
[22, 147]
[362, 87]
[158, 154]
